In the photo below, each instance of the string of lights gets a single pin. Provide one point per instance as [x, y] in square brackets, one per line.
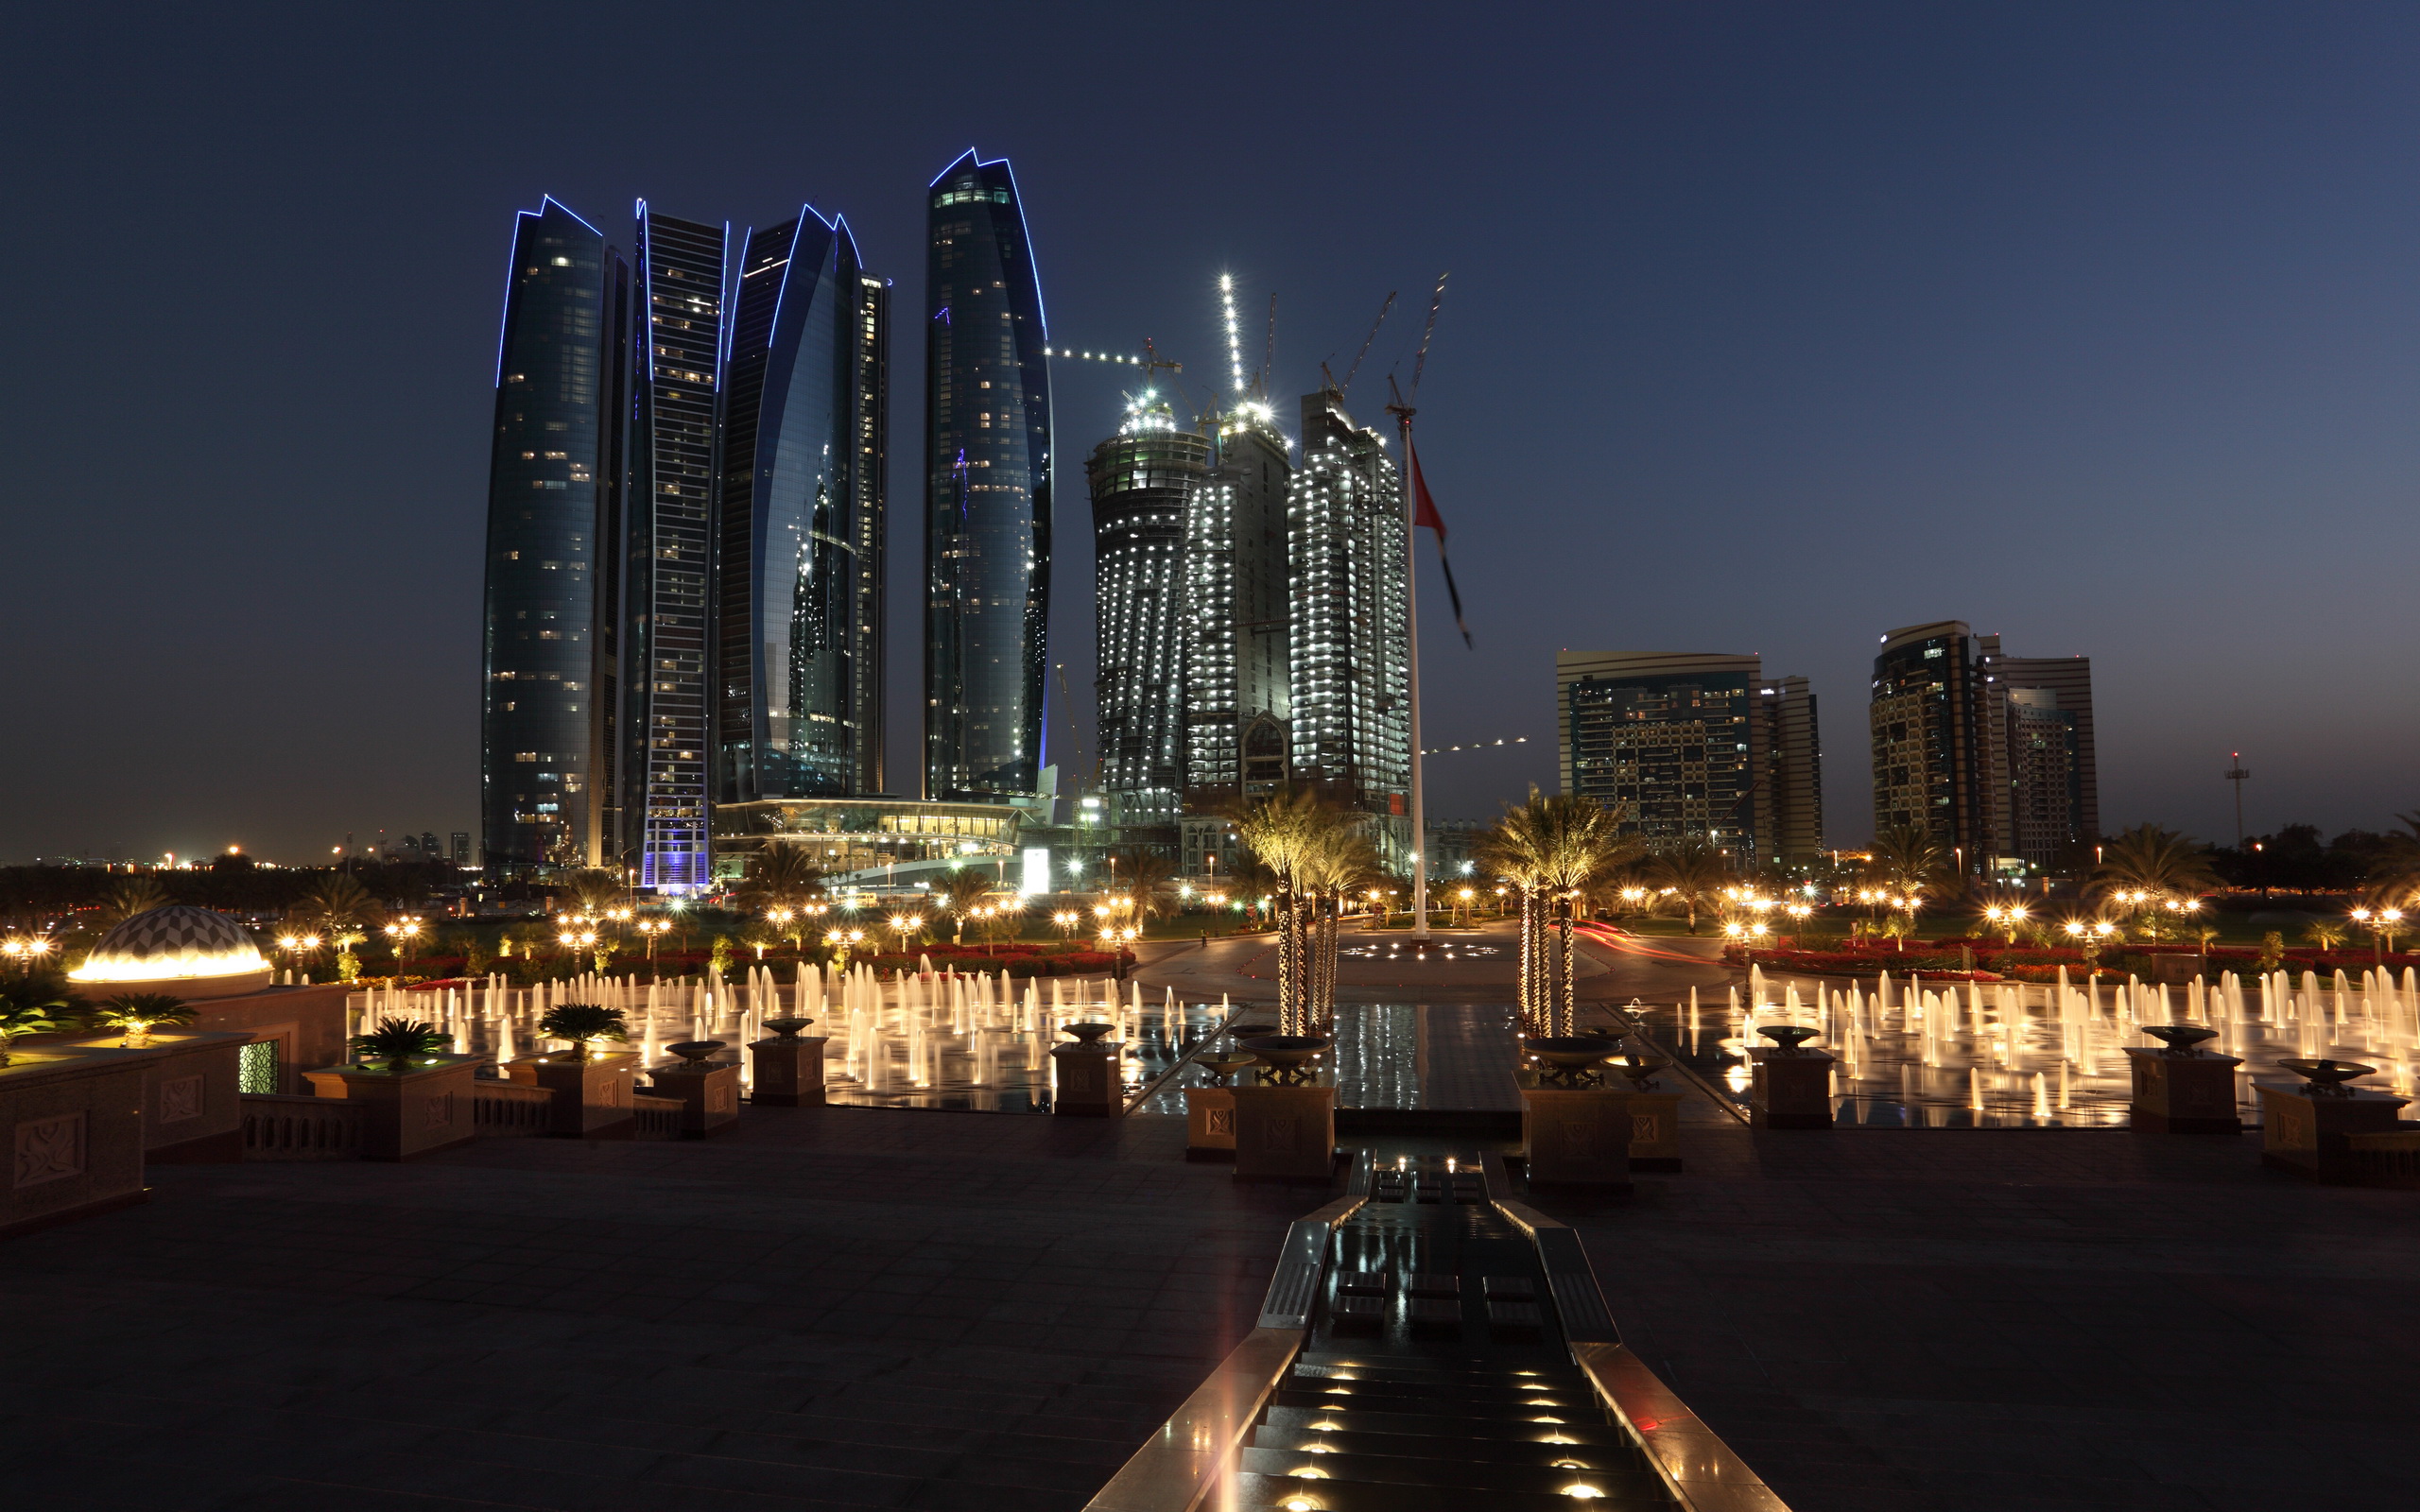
[1092, 356]
[1235, 331]
[1477, 745]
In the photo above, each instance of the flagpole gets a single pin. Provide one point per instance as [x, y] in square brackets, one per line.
[1411, 616]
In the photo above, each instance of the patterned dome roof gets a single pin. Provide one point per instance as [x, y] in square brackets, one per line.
[176, 941]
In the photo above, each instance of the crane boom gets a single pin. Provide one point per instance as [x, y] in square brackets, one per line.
[1383, 311]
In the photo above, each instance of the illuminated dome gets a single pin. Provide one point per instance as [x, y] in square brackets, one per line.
[189, 951]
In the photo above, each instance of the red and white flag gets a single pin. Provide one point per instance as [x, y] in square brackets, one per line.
[1425, 516]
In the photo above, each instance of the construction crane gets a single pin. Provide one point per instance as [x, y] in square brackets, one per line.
[1341, 388]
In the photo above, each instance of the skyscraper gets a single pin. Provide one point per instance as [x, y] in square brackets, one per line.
[1237, 702]
[987, 491]
[675, 461]
[546, 737]
[1790, 809]
[1992, 754]
[1680, 742]
[1349, 629]
[798, 680]
[1140, 479]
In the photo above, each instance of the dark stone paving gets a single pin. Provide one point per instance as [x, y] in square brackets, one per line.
[841, 1308]
[1882, 1320]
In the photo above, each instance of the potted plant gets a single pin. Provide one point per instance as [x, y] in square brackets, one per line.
[583, 1023]
[138, 1013]
[401, 1042]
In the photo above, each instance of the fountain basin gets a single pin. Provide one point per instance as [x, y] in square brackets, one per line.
[2180, 1038]
[1289, 1056]
[1087, 1034]
[787, 1028]
[1786, 1037]
[2327, 1078]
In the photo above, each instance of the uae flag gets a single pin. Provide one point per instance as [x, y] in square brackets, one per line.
[1424, 515]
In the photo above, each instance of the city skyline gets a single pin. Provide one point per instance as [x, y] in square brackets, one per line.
[2154, 445]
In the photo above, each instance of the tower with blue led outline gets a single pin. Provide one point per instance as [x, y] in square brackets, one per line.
[987, 491]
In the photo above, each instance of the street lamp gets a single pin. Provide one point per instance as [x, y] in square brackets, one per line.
[2383, 925]
[402, 933]
[904, 925]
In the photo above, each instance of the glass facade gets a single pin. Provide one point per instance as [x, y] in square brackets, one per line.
[1922, 721]
[798, 675]
[1237, 682]
[547, 756]
[986, 490]
[1676, 748]
[1140, 479]
[1349, 630]
[674, 465]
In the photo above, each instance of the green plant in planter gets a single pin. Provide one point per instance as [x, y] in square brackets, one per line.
[401, 1042]
[32, 1003]
[719, 961]
[138, 1013]
[583, 1023]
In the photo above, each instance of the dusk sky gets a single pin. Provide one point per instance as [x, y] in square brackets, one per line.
[1770, 329]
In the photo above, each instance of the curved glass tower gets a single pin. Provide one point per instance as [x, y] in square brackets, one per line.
[987, 491]
[546, 743]
[797, 679]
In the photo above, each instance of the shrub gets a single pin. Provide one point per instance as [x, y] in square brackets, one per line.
[583, 1023]
[400, 1042]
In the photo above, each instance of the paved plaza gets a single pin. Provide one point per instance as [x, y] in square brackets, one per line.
[865, 1307]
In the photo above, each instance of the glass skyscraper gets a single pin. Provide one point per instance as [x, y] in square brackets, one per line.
[675, 459]
[1140, 479]
[987, 491]
[548, 704]
[797, 679]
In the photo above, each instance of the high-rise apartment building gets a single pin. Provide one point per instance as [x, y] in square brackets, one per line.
[987, 491]
[1349, 622]
[549, 673]
[797, 680]
[1238, 700]
[1992, 753]
[1694, 747]
[1140, 479]
[1790, 807]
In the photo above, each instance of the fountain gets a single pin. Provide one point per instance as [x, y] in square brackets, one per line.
[2180, 1038]
[2328, 1078]
[1289, 1057]
[1570, 1060]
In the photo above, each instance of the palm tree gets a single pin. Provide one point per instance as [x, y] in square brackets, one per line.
[1151, 874]
[1554, 847]
[136, 895]
[1691, 873]
[2323, 933]
[400, 1042]
[138, 1013]
[780, 876]
[337, 905]
[1310, 846]
[585, 1024]
[594, 889]
[2153, 864]
[2395, 883]
[1911, 859]
[965, 891]
[32, 1002]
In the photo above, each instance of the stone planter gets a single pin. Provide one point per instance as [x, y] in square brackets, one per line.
[1084, 1081]
[1654, 1131]
[1792, 1090]
[709, 1096]
[2183, 1095]
[592, 1097]
[790, 1072]
[1284, 1133]
[74, 1122]
[1576, 1136]
[1209, 1123]
[193, 1109]
[2308, 1136]
[406, 1114]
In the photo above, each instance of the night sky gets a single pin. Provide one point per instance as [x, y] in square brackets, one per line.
[1771, 329]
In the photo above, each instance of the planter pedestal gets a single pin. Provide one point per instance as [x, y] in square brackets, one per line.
[1576, 1136]
[2183, 1095]
[592, 1097]
[1654, 1131]
[408, 1114]
[2306, 1135]
[789, 1072]
[1792, 1090]
[1284, 1133]
[1084, 1081]
[709, 1096]
[73, 1120]
[193, 1109]
[1209, 1123]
